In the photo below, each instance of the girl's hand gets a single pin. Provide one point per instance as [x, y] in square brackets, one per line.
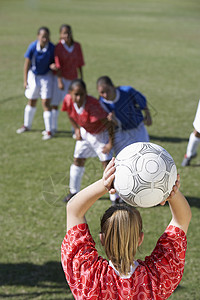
[78, 134]
[60, 85]
[107, 148]
[53, 67]
[174, 190]
[108, 176]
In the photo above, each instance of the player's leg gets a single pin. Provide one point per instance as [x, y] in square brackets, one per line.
[76, 173]
[46, 89]
[82, 151]
[55, 101]
[31, 93]
[192, 146]
[47, 118]
[194, 140]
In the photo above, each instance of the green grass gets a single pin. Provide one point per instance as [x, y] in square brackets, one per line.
[151, 45]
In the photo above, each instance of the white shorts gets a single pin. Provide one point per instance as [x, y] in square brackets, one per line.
[196, 122]
[91, 145]
[39, 86]
[124, 138]
[58, 94]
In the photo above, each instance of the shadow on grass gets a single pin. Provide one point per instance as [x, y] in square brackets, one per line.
[193, 201]
[48, 278]
[168, 139]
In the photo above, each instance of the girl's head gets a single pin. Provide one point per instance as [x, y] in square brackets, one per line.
[106, 88]
[66, 34]
[78, 91]
[43, 36]
[121, 234]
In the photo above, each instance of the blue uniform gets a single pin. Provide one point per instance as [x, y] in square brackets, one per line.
[127, 106]
[40, 58]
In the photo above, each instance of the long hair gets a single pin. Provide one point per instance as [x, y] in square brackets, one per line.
[122, 228]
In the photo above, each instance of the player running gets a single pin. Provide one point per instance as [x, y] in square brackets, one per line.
[122, 277]
[69, 62]
[94, 133]
[194, 140]
[124, 105]
[38, 80]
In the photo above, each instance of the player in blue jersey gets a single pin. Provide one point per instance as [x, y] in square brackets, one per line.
[39, 59]
[128, 109]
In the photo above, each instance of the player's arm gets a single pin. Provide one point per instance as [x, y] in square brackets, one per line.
[80, 71]
[147, 116]
[180, 209]
[110, 126]
[76, 128]
[82, 201]
[27, 64]
[60, 82]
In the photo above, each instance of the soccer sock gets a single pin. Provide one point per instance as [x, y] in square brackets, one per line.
[113, 197]
[47, 120]
[76, 174]
[192, 145]
[54, 116]
[29, 113]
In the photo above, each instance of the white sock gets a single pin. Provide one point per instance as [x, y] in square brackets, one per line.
[29, 113]
[113, 197]
[54, 119]
[47, 120]
[76, 174]
[192, 145]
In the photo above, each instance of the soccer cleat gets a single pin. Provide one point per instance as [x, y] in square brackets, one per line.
[68, 197]
[47, 136]
[22, 129]
[186, 160]
[44, 132]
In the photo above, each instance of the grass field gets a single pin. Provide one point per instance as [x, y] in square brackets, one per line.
[151, 45]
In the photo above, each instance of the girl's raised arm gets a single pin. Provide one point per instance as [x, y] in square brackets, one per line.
[81, 202]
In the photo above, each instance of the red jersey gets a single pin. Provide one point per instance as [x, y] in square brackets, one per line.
[91, 277]
[90, 115]
[68, 62]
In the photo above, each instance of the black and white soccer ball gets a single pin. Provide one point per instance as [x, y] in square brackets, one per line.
[145, 174]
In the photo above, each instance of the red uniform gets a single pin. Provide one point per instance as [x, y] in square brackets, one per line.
[91, 277]
[69, 62]
[91, 115]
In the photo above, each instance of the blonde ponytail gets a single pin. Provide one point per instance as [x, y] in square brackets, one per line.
[122, 227]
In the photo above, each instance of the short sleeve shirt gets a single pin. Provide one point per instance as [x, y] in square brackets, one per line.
[91, 115]
[91, 277]
[69, 62]
[127, 106]
[40, 58]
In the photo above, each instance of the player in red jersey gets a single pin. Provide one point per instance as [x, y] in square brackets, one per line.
[69, 62]
[122, 277]
[94, 133]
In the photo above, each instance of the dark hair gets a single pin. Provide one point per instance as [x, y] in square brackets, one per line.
[76, 82]
[45, 29]
[104, 80]
[69, 29]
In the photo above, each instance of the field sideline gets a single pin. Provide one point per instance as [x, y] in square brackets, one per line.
[153, 46]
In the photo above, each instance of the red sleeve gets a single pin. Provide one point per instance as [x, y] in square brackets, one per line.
[80, 262]
[57, 56]
[165, 265]
[80, 61]
[66, 105]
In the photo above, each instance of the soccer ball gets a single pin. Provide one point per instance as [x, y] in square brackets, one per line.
[145, 174]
